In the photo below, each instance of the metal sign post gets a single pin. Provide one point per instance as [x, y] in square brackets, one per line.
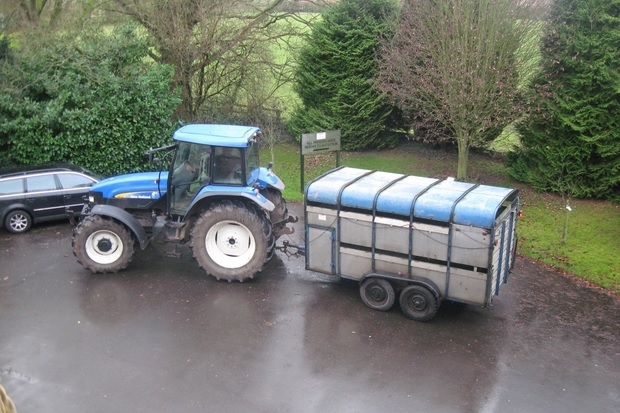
[312, 143]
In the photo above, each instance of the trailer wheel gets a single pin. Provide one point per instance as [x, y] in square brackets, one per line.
[231, 241]
[102, 245]
[377, 294]
[418, 303]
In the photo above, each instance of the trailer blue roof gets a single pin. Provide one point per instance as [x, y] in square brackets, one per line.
[391, 201]
[357, 194]
[437, 202]
[396, 194]
[217, 135]
[479, 207]
[326, 189]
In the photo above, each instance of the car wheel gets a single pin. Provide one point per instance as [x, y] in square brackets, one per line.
[18, 221]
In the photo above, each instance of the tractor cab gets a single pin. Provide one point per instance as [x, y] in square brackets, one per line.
[214, 157]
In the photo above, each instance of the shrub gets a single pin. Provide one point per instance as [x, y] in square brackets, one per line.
[94, 99]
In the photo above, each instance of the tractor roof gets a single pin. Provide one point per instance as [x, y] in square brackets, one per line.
[217, 135]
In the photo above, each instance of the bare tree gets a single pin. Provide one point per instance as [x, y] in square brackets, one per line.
[455, 65]
[218, 47]
[44, 13]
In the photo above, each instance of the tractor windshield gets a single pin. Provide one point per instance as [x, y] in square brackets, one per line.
[189, 173]
[252, 162]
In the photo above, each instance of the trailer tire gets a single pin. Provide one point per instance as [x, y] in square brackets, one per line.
[231, 241]
[418, 303]
[377, 294]
[102, 245]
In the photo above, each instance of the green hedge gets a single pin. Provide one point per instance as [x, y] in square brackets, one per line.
[93, 99]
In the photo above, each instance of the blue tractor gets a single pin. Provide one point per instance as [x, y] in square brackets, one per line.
[215, 196]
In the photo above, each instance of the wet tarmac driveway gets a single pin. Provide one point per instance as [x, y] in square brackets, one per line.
[162, 337]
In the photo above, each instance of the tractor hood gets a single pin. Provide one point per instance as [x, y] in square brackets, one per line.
[143, 185]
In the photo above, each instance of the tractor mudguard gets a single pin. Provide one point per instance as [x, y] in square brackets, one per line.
[232, 192]
[259, 199]
[125, 218]
[266, 178]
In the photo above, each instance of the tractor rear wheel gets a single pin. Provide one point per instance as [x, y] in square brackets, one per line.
[279, 215]
[231, 240]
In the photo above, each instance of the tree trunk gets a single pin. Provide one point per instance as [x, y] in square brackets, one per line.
[463, 152]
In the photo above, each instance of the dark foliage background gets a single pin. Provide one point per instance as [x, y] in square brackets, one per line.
[571, 139]
[334, 78]
[91, 99]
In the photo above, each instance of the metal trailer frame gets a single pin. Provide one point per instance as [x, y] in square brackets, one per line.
[460, 238]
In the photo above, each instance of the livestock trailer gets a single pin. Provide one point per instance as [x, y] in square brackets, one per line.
[421, 239]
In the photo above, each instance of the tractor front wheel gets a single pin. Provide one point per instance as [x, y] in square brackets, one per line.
[102, 245]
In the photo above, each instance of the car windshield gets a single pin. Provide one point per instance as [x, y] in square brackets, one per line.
[98, 177]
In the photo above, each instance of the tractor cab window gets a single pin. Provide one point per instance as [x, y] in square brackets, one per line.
[252, 162]
[190, 172]
[228, 166]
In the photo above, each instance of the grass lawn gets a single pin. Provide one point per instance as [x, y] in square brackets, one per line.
[582, 243]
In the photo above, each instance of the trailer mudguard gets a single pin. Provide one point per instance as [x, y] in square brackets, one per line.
[125, 218]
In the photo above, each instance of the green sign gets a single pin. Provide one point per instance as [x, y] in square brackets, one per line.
[320, 142]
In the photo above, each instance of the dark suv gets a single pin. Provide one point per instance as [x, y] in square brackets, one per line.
[41, 194]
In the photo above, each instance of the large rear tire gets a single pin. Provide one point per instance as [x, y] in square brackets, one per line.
[102, 245]
[232, 241]
[279, 215]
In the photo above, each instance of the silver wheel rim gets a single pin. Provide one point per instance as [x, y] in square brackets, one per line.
[104, 247]
[18, 222]
[230, 244]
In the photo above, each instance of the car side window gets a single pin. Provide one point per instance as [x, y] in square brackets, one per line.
[69, 181]
[40, 183]
[12, 186]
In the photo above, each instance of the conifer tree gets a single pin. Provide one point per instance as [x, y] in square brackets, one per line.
[334, 79]
[571, 140]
